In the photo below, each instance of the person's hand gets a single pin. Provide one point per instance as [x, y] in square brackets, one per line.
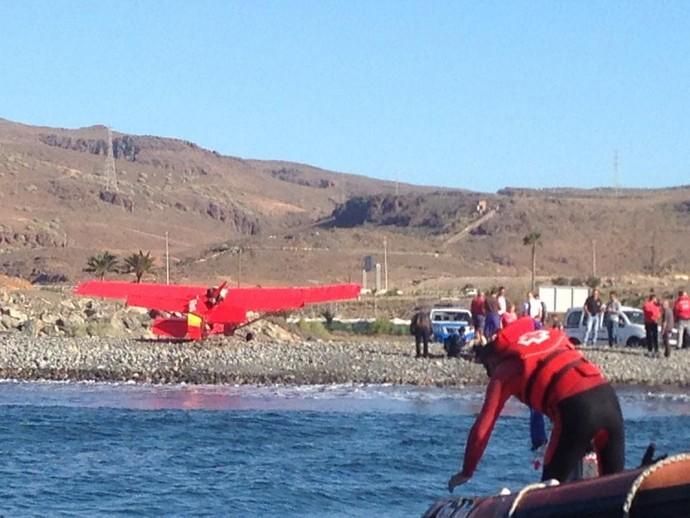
[457, 480]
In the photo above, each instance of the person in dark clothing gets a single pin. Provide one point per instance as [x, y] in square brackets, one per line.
[455, 342]
[492, 323]
[667, 325]
[592, 309]
[420, 327]
[478, 310]
[652, 314]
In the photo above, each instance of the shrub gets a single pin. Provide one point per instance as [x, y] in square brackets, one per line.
[314, 329]
[593, 282]
[381, 326]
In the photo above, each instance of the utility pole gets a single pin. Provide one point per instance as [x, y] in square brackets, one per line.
[109, 167]
[167, 260]
[615, 172]
[239, 266]
[653, 255]
[385, 264]
[594, 258]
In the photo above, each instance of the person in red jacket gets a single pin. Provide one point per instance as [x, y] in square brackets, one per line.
[652, 315]
[543, 370]
[681, 310]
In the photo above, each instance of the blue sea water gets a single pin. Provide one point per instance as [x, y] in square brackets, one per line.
[76, 449]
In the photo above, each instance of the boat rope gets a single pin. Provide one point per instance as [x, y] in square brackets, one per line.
[529, 487]
[637, 483]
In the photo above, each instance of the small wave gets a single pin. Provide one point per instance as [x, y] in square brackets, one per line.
[347, 397]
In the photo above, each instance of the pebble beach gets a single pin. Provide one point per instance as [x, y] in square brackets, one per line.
[265, 361]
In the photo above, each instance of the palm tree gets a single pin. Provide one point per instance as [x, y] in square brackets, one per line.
[101, 264]
[139, 264]
[533, 239]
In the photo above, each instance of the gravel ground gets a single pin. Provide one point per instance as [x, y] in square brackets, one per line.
[267, 362]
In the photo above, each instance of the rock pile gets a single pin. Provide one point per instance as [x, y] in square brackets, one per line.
[51, 314]
[44, 313]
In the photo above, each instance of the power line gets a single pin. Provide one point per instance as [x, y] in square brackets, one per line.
[109, 167]
[615, 172]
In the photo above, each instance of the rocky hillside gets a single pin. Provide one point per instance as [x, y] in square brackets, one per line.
[58, 204]
[297, 223]
[626, 231]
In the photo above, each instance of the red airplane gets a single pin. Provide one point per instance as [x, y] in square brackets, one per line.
[194, 312]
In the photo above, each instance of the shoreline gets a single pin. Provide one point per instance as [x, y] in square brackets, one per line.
[231, 361]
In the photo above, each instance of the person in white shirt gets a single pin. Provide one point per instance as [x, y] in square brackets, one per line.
[502, 303]
[532, 307]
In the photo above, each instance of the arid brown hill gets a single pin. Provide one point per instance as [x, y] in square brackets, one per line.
[297, 223]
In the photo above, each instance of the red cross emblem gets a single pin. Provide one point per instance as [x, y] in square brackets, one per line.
[534, 338]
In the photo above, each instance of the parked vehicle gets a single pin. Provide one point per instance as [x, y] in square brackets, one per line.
[447, 319]
[630, 330]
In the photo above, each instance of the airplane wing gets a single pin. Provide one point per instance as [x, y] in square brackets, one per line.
[164, 297]
[233, 308]
[279, 299]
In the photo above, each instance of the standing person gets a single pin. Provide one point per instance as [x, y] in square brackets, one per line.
[612, 318]
[681, 310]
[493, 319]
[478, 310]
[420, 327]
[542, 305]
[592, 309]
[509, 316]
[666, 326]
[652, 313]
[502, 302]
[544, 370]
[532, 307]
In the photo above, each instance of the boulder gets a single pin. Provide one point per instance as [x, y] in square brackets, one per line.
[48, 318]
[14, 314]
[68, 304]
[9, 322]
[30, 327]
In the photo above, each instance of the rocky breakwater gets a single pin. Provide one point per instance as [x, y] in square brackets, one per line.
[271, 361]
[45, 313]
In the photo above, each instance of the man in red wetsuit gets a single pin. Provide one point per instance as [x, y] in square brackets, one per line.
[543, 370]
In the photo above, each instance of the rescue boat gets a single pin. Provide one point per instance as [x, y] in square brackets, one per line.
[661, 489]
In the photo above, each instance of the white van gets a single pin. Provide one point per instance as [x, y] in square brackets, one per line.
[630, 331]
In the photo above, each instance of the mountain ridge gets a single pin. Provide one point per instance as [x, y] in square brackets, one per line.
[56, 209]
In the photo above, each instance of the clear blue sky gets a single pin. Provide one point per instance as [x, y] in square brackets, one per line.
[469, 94]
